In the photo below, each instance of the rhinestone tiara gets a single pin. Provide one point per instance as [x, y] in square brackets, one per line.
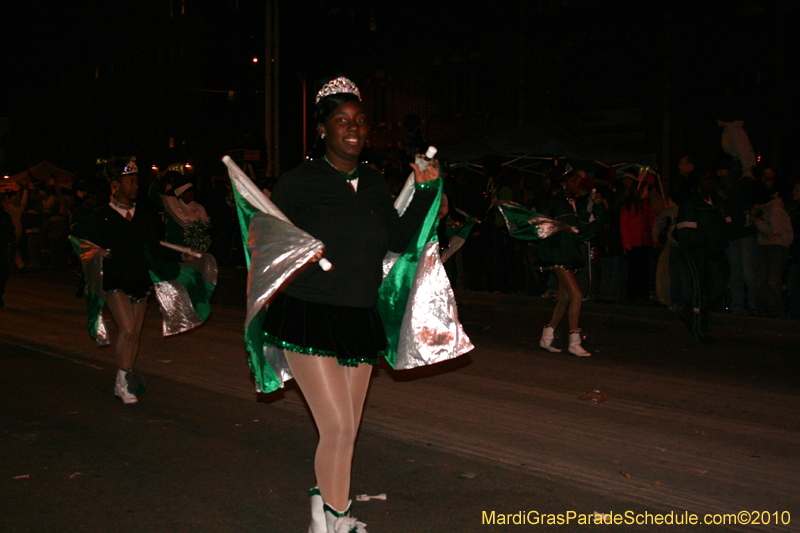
[338, 85]
[130, 168]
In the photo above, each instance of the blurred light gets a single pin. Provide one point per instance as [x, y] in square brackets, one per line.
[188, 165]
[6, 177]
[759, 159]
[255, 60]
[154, 168]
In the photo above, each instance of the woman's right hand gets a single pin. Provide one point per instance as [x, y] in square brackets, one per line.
[429, 174]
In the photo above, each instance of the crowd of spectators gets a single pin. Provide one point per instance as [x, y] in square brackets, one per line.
[634, 261]
[40, 212]
[45, 214]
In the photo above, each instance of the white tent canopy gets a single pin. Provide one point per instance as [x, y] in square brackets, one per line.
[43, 171]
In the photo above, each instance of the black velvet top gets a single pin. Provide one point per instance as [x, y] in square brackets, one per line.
[357, 228]
[129, 242]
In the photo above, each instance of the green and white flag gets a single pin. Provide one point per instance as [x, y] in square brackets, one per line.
[415, 300]
[274, 250]
[183, 290]
[528, 225]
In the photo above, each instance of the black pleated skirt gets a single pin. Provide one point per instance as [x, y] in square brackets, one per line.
[136, 289]
[353, 335]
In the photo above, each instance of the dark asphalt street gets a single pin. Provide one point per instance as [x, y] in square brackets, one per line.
[188, 460]
[686, 427]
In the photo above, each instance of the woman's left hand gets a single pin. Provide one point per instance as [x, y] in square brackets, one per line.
[429, 174]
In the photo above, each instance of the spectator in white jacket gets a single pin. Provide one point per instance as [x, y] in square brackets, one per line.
[775, 235]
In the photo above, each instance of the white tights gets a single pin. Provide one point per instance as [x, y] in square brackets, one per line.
[335, 395]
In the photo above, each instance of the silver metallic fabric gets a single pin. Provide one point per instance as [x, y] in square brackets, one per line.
[277, 250]
[430, 332]
[388, 262]
[92, 261]
[176, 308]
[407, 192]
[102, 331]
[546, 226]
[277, 360]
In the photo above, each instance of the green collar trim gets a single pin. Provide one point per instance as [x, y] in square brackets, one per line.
[347, 176]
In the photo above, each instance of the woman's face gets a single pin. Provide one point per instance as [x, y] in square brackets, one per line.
[345, 132]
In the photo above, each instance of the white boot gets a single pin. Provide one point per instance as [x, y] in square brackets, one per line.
[317, 512]
[121, 388]
[546, 341]
[575, 347]
[341, 522]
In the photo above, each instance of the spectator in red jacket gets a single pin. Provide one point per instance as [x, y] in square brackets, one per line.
[636, 226]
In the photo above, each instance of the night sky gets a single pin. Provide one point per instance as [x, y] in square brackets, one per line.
[83, 79]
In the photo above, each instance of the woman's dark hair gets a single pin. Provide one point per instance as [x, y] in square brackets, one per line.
[324, 108]
[327, 105]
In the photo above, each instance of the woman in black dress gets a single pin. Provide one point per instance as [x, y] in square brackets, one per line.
[326, 322]
[561, 254]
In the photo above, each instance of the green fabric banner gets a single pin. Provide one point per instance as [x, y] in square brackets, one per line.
[266, 377]
[518, 221]
[94, 305]
[197, 288]
[393, 292]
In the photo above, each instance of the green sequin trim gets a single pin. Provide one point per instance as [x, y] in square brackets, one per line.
[272, 340]
[427, 185]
